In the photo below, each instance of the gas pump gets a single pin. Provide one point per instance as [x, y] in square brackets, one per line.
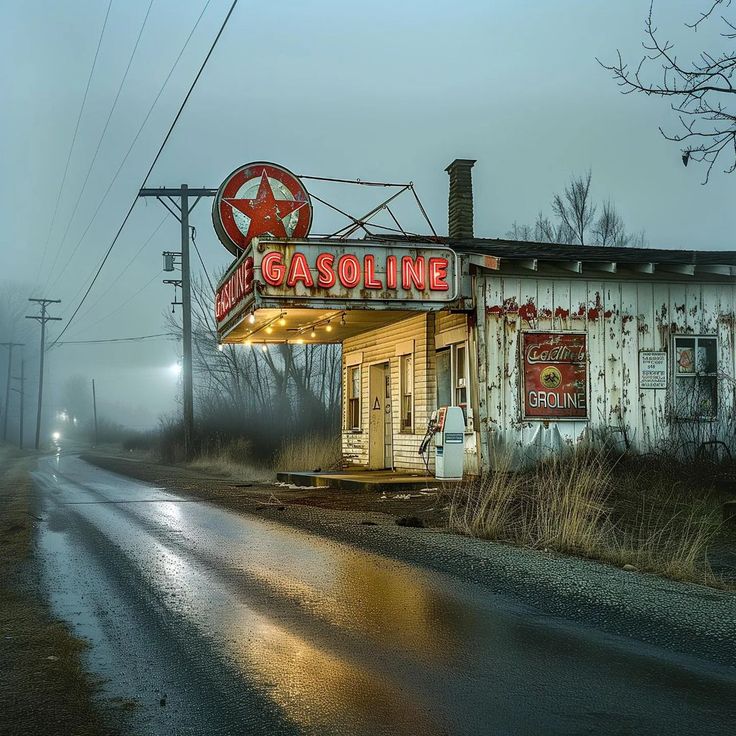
[447, 428]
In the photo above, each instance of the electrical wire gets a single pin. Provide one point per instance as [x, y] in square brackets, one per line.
[128, 152]
[151, 167]
[204, 268]
[137, 338]
[74, 137]
[128, 265]
[99, 141]
[125, 303]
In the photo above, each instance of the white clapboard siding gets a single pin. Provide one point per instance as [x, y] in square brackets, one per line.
[379, 346]
[620, 317]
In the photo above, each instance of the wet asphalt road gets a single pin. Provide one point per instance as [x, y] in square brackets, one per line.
[219, 623]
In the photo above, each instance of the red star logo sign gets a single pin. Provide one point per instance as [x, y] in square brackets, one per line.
[260, 199]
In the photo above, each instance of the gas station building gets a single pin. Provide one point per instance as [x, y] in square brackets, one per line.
[538, 344]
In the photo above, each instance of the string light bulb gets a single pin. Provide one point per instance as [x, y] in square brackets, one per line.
[328, 327]
[251, 318]
[282, 320]
[264, 348]
[313, 333]
[342, 320]
[269, 329]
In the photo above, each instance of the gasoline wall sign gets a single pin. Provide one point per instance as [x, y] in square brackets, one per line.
[555, 368]
[260, 199]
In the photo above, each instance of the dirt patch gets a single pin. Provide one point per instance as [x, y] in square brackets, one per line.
[247, 494]
[43, 686]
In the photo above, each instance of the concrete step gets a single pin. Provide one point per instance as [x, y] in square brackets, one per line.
[378, 481]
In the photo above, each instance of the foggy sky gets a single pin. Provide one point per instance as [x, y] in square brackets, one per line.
[381, 90]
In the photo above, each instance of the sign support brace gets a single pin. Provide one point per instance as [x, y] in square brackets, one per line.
[181, 210]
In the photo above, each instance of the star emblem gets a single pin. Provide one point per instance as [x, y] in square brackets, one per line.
[266, 213]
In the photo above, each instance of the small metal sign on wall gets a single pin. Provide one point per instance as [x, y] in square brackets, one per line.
[555, 370]
[653, 369]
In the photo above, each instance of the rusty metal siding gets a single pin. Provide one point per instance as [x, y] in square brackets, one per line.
[620, 318]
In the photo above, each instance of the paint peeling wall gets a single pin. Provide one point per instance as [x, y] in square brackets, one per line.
[620, 318]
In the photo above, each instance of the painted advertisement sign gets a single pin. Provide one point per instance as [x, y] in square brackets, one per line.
[555, 368]
[376, 272]
[260, 199]
[234, 289]
[347, 274]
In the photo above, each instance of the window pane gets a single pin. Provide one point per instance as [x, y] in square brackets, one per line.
[706, 355]
[685, 397]
[407, 373]
[685, 354]
[444, 386]
[460, 365]
[705, 396]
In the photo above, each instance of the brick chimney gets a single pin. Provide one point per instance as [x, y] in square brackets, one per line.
[460, 209]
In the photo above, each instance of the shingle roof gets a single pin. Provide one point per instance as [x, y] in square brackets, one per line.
[520, 249]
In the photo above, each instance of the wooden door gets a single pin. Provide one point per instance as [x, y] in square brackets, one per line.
[376, 414]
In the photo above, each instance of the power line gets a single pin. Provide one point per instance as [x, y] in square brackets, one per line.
[129, 151]
[137, 338]
[102, 136]
[204, 268]
[151, 167]
[125, 303]
[120, 274]
[74, 137]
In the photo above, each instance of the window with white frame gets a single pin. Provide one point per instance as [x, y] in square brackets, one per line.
[452, 371]
[353, 415]
[406, 387]
[695, 361]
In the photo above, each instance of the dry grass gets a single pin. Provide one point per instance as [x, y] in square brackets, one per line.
[588, 504]
[232, 460]
[43, 686]
[309, 454]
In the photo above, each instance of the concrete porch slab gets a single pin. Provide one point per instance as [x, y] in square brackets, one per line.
[363, 480]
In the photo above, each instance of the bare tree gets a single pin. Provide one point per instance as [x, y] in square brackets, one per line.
[575, 217]
[265, 396]
[701, 91]
[574, 208]
[609, 228]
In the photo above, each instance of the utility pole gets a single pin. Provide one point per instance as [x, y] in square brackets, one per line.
[94, 410]
[22, 392]
[9, 346]
[42, 319]
[181, 210]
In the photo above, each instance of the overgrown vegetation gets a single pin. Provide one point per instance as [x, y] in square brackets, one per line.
[309, 453]
[659, 518]
[43, 686]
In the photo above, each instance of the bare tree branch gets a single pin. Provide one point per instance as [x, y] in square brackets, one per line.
[700, 89]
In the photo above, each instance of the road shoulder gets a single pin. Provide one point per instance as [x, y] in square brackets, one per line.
[44, 687]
